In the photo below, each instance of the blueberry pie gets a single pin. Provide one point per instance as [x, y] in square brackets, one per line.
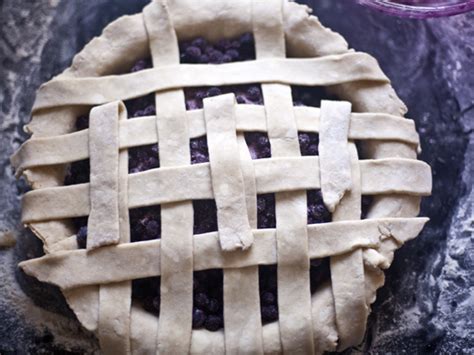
[220, 177]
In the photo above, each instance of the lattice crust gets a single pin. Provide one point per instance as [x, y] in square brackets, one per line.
[332, 318]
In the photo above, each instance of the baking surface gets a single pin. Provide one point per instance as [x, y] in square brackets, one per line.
[425, 304]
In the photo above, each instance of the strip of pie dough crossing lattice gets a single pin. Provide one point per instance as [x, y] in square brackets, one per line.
[249, 118]
[294, 296]
[176, 289]
[108, 221]
[233, 181]
[226, 174]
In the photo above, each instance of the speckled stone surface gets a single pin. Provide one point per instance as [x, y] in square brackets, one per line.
[426, 305]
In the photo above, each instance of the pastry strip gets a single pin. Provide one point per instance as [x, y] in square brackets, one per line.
[378, 177]
[103, 222]
[86, 305]
[242, 321]
[144, 328]
[109, 194]
[324, 71]
[115, 299]
[347, 270]
[176, 254]
[249, 118]
[226, 174]
[323, 240]
[114, 317]
[294, 296]
[334, 161]
[250, 184]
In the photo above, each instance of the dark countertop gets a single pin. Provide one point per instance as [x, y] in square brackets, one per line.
[426, 305]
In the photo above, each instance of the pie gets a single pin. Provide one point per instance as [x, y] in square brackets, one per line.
[220, 177]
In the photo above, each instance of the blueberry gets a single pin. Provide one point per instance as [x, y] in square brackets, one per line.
[313, 149]
[142, 153]
[232, 53]
[78, 173]
[261, 203]
[263, 141]
[199, 150]
[152, 162]
[215, 57]
[213, 323]
[209, 49]
[201, 300]
[254, 94]
[152, 229]
[139, 65]
[137, 230]
[269, 313]
[213, 305]
[235, 44]
[149, 110]
[240, 99]
[193, 53]
[303, 139]
[138, 113]
[194, 144]
[200, 94]
[204, 59]
[317, 211]
[193, 105]
[82, 122]
[150, 304]
[268, 298]
[226, 58]
[224, 44]
[266, 211]
[199, 158]
[214, 91]
[266, 153]
[259, 145]
[203, 143]
[81, 237]
[199, 318]
[200, 43]
[315, 262]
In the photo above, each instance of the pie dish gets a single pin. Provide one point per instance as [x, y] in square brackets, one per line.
[230, 213]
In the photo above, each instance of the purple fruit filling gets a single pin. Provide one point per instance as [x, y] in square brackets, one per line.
[145, 223]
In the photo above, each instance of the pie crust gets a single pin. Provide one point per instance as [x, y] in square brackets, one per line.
[292, 49]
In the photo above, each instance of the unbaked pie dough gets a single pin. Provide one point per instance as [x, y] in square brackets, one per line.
[292, 48]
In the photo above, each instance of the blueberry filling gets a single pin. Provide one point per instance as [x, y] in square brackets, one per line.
[78, 173]
[143, 158]
[145, 223]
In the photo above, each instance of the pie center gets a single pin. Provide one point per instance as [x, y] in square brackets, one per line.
[145, 223]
